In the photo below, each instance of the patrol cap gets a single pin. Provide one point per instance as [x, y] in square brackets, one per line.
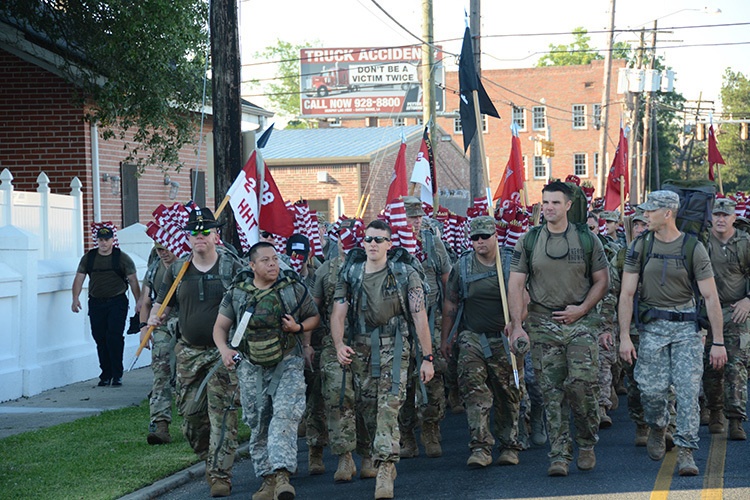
[724, 206]
[482, 225]
[640, 216]
[610, 216]
[299, 244]
[413, 206]
[661, 199]
[104, 233]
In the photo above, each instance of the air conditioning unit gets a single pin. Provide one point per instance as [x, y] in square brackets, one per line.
[323, 176]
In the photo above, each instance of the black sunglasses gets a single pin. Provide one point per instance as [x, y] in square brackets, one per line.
[376, 239]
[477, 237]
[204, 232]
[265, 234]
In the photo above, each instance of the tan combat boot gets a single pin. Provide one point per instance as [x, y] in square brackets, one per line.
[538, 429]
[736, 432]
[716, 422]
[479, 458]
[283, 489]
[346, 470]
[315, 464]
[656, 445]
[431, 439]
[385, 479]
[586, 458]
[454, 400]
[368, 470]
[159, 433]
[409, 448]
[558, 468]
[605, 422]
[615, 400]
[265, 492]
[685, 463]
[705, 415]
[641, 435]
[507, 457]
[220, 487]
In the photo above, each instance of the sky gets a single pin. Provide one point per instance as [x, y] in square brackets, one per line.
[360, 23]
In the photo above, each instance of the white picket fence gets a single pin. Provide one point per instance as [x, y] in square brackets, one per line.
[43, 344]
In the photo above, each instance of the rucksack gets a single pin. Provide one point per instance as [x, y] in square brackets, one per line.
[696, 206]
[578, 211]
[115, 261]
[584, 234]
[227, 263]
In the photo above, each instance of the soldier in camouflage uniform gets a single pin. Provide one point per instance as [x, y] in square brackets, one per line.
[726, 392]
[562, 325]
[346, 429]
[269, 317]
[386, 296]
[209, 416]
[436, 264]
[485, 373]
[162, 343]
[670, 342]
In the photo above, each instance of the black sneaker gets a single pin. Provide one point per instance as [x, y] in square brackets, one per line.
[104, 383]
[116, 382]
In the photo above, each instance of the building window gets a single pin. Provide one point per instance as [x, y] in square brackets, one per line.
[320, 207]
[457, 128]
[525, 167]
[420, 121]
[597, 116]
[334, 122]
[540, 168]
[519, 117]
[538, 118]
[596, 164]
[399, 122]
[579, 165]
[372, 121]
[579, 116]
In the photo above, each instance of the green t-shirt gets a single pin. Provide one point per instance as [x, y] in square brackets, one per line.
[558, 268]
[483, 308]
[104, 282]
[325, 283]
[665, 282]
[380, 294]
[725, 260]
[439, 262]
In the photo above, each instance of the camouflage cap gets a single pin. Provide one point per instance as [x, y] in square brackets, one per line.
[640, 216]
[413, 206]
[610, 216]
[661, 199]
[724, 206]
[482, 225]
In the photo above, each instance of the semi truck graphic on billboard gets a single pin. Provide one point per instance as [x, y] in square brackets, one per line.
[371, 81]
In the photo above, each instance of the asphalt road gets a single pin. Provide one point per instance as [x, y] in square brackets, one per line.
[622, 472]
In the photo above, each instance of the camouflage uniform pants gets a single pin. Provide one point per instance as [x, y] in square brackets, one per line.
[670, 353]
[566, 363]
[726, 389]
[346, 427]
[635, 408]
[607, 362]
[486, 384]
[375, 398]
[209, 424]
[273, 418]
[315, 410]
[163, 366]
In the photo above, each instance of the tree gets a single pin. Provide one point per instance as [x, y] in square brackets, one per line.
[284, 90]
[735, 101]
[580, 51]
[138, 66]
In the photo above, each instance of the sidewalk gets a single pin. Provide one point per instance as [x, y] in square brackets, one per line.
[72, 402]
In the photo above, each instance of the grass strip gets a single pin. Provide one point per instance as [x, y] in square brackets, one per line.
[99, 457]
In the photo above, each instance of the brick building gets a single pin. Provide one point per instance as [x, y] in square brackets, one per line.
[333, 167]
[42, 129]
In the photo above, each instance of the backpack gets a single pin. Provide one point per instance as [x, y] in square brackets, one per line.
[578, 211]
[227, 263]
[584, 235]
[696, 206]
[115, 262]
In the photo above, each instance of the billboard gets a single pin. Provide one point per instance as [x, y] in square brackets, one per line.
[383, 81]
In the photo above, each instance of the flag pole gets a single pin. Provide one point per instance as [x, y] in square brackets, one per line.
[718, 175]
[498, 263]
[622, 197]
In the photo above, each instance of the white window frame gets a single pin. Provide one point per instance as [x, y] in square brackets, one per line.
[540, 163]
[579, 117]
[576, 157]
[334, 122]
[538, 122]
[525, 160]
[519, 120]
[457, 128]
[399, 122]
[596, 116]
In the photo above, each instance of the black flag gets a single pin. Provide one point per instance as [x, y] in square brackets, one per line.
[469, 82]
[263, 140]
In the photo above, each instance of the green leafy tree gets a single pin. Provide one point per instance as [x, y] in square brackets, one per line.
[138, 66]
[580, 51]
[735, 101]
[283, 91]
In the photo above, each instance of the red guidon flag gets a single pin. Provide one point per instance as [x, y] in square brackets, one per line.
[618, 169]
[399, 187]
[714, 157]
[512, 182]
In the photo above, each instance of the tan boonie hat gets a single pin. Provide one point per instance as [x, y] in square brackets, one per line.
[724, 206]
[413, 206]
[661, 199]
[482, 225]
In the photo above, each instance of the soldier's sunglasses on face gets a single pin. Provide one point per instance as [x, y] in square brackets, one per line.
[477, 237]
[265, 234]
[205, 232]
[376, 239]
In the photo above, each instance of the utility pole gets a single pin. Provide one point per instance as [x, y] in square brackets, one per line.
[692, 140]
[647, 110]
[475, 159]
[225, 99]
[633, 153]
[428, 82]
[602, 166]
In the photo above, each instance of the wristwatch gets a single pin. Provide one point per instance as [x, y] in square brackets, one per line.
[429, 358]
